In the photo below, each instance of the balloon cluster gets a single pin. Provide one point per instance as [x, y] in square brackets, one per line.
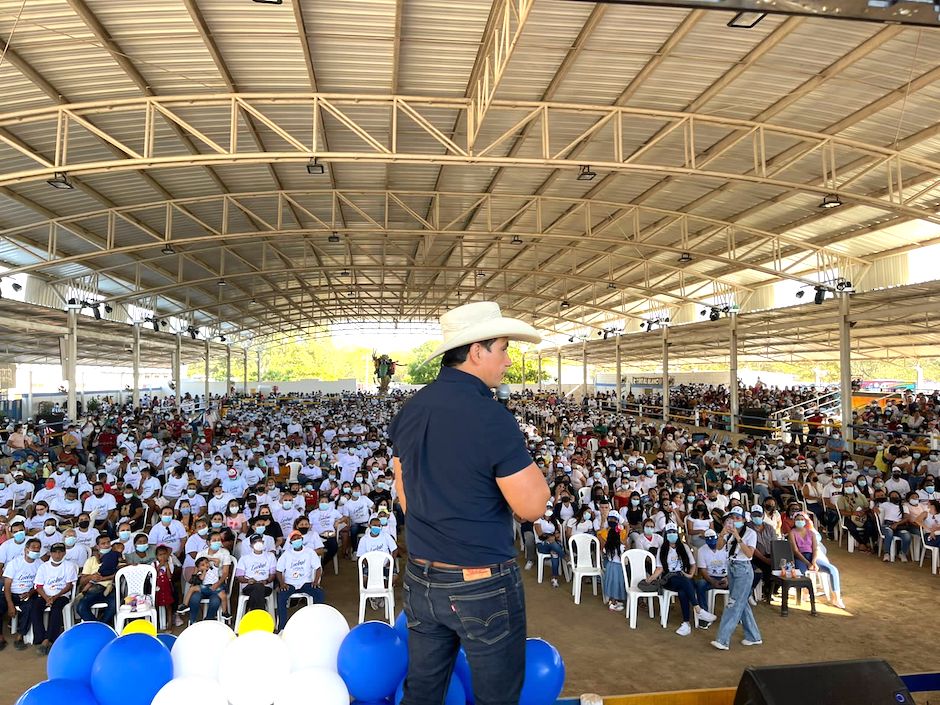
[316, 653]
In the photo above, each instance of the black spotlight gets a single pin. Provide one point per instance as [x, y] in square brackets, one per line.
[585, 173]
[108, 308]
[564, 303]
[168, 249]
[800, 294]
[685, 257]
[314, 167]
[714, 314]
[516, 240]
[17, 287]
[820, 295]
[96, 310]
[156, 325]
[60, 181]
[333, 238]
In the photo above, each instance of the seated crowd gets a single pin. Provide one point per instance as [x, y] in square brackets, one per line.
[251, 500]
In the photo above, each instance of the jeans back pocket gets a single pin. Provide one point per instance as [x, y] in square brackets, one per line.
[484, 616]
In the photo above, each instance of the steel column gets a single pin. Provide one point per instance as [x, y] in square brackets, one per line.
[665, 373]
[733, 370]
[619, 373]
[845, 368]
[245, 379]
[205, 399]
[583, 368]
[228, 369]
[177, 371]
[71, 375]
[135, 365]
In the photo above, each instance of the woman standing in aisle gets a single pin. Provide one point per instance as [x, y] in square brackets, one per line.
[740, 581]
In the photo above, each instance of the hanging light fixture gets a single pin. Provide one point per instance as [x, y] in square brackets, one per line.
[61, 181]
[831, 200]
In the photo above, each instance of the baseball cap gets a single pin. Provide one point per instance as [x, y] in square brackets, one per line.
[670, 527]
[739, 511]
[710, 534]
[757, 509]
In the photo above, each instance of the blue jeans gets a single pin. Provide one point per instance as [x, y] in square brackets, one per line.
[822, 562]
[557, 552]
[888, 533]
[283, 597]
[205, 593]
[486, 616]
[702, 587]
[93, 597]
[687, 594]
[740, 580]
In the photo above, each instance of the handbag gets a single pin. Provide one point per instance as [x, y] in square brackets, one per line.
[652, 585]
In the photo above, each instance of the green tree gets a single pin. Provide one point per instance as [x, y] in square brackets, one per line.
[417, 371]
[514, 373]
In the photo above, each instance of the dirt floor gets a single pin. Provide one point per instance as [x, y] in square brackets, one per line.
[891, 614]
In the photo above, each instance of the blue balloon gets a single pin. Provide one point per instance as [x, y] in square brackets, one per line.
[372, 661]
[401, 625]
[370, 702]
[167, 640]
[58, 691]
[462, 671]
[131, 670]
[544, 674]
[76, 649]
[455, 692]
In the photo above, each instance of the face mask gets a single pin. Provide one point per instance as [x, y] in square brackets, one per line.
[635, 502]
[799, 523]
[19, 536]
[259, 529]
[837, 481]
[758, 521]
[648, 530]
[50, 530]
[861, 483]
[383, 521]
[215, 545]
[124, 535]
[549, 512]
[375, 530]
[141, 548]
[287, 504]
[217, 525]
[711, 543]
[324, 506]
[297, 544]
[672, 537]
[650, 473]
[929, 489]
[738, 524]
[32, 555]
[203, 531]
[257, 547]
[879, 485]
[104, 551]
[191, 493]
[727, 486]
[70, 541]
[166, 520]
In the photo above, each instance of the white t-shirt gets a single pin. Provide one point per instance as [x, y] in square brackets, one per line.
[298, 567]
[11, 549]
[714, 562]
[22, 573]
[260, 567]
[647, 543]
[383, 542]
[748, 539]
[323, 521]
[102, 505]
[54, 578]
[359, 510]
[173, 535]
[673, 561]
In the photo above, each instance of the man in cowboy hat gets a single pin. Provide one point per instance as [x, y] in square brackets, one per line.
[461, 470]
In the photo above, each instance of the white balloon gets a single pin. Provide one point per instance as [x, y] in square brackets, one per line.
[322, 685]
[252, 667]
[197, 652]
[313, 635]
[191, 691]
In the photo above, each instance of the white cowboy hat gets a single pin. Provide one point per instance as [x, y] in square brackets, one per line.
[478, 321]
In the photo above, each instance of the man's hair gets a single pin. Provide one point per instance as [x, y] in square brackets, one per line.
[458, 356]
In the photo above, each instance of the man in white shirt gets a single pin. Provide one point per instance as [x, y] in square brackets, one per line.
[713, 567]
[298, 571]
[53, 584]
[327, 521]
[375, 539]
[168, 531]
[897, 483]
[255, 572]
[67, 507]
[19, 577]
[102, 504]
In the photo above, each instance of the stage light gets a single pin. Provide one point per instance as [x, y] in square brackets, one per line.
[800, 294]
[830, 200]
[746, 20]
[222, 338]
[564, 303]
[685, 257]
[820, 295]
[333, 238]
[192, 332]
[585, 173]
[714, 314]
[516, 240]
[60, 181]
[96, 310]
[314, 167]
[108, 308]
[156, 324]
[163, 323]
[481, 273]
[17, 287]
[168, 249]
[222, 282]
[344, 273]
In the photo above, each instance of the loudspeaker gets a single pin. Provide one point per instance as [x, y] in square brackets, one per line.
[863, 682]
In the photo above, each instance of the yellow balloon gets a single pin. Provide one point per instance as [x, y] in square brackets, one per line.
[140, 626]
[256, 621]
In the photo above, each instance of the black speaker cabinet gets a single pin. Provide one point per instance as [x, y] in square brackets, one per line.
[864, 682]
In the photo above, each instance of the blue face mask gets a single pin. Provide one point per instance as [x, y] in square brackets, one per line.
[711, 543]
[758, 521]
[70, 541]
[799, 523]
[104, 551]
[672, 537]
[215, 545]
[19, 536]
[124, 535]
[324, 506]
[375, 530]
[259, 529]
[738, 524]
[32, 555]
[297, 544]
[383, 521]
[166, 520]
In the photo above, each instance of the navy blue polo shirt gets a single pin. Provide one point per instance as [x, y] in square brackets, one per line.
[453, 440]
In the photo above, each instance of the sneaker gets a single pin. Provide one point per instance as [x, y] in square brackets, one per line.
[684, 629]
[528, 565]
[903, 558]
[20, 645]
[748, 642]
[751, 601]
[373, 603]
[42, 650]
[612, 607]
[706, 616]
[840, 605]
[177, 621]
[182, 609]
[226, 617]
[886, 558]
[619, 607]
[554, 582]
[718, 645]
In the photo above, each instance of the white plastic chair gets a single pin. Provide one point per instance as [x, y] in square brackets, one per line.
[584, 495]
[637, 565]
[269, 605]
[851, 539]
[68, 616]
[893, 548]
[132, 580]
[584, 553]
[934, 553]
[377, 584]
[229, 588]
[713, 594]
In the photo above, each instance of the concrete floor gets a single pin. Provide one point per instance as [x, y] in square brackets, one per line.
[891, 614]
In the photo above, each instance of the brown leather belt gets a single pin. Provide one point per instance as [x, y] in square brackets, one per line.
[451, 566]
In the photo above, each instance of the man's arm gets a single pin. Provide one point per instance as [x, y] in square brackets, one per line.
[399, 484]
[526, 492]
